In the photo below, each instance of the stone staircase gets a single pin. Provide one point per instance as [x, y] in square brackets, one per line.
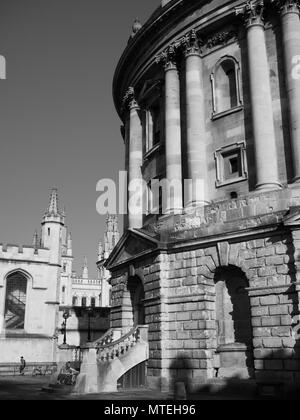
[109, 358]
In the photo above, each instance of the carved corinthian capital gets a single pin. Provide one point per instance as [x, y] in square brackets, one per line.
[168, 58]
[191, 44]
[287, 6]
[129, 100]
[252, 12]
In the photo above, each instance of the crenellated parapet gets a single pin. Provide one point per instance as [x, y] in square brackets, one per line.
[23, 252]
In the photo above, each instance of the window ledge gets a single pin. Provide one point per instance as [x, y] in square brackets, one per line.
[216, 116]
[231, 181]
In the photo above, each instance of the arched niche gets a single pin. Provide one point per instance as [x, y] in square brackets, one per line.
[133, 299]
[233, 322]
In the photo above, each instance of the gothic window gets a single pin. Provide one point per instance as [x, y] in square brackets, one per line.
[225, 86]
[83, 302]
[231, 164]
[93, 302]
[74, 301]
[15, 302]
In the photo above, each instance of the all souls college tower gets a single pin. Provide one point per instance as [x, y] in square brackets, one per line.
[210, 90]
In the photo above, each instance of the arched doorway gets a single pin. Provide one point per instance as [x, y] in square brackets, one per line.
[233, 323]
[15, 301]
[137, 296]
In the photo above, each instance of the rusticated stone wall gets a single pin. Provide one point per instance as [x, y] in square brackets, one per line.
[179, 280]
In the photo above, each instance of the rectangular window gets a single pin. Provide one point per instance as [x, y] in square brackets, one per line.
[231, 164]
[152, 126]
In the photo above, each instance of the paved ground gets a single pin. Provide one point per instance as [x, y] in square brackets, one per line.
[30, 388]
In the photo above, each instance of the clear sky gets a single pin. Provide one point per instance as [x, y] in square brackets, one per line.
[58, 123]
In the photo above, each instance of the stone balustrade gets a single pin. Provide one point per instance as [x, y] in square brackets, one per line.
[109, 350]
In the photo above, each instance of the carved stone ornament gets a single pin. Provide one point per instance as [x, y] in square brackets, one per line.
[287, 6]
[129, 100]
[252, 12]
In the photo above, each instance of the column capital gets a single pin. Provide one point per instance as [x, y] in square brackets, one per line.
[191, 44]
[252, 12]
[287, 6]
[168, 57]
[129, 100]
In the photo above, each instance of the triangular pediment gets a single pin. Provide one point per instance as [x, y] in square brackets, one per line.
[133, 244]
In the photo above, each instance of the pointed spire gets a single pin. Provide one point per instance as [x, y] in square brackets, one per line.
[136, 27]
[85, 271]
[36, 240]
[53, 205]
[100, 251]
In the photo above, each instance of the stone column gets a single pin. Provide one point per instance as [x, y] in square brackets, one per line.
[196, 193]
[173, 196]
[291, 47]
[135, 161]
[261, 99]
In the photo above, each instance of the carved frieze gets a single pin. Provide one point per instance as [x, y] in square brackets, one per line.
[220, 38]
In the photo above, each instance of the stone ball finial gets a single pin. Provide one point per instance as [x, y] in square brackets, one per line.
[136, 27]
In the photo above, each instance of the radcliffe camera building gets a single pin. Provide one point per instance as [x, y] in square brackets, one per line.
[207, 291]
[210, 290]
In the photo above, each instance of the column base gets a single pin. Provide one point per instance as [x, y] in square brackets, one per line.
[268, 186]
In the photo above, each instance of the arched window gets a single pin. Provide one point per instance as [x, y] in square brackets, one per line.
[93, 302]
[15, 301]
[74, 301]
[225, 85]
[83, 302]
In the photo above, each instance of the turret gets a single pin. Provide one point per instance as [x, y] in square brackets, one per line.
[52, 224]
